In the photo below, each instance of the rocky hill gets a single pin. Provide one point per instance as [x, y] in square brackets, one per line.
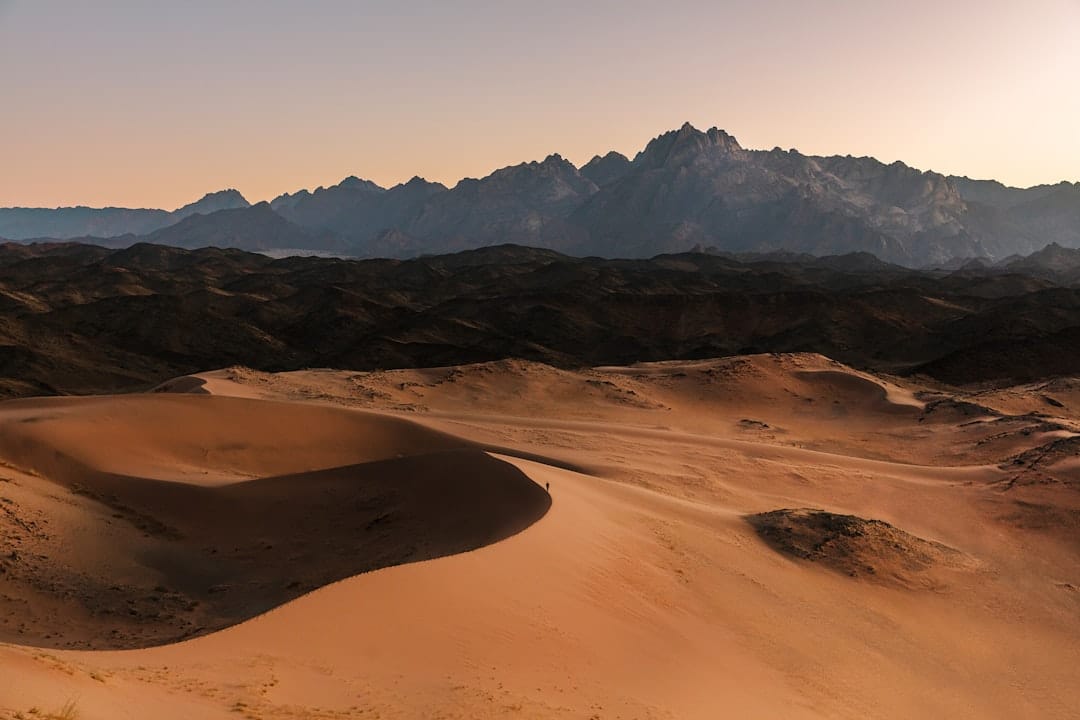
[82, 318]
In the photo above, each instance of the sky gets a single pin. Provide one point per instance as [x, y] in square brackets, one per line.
[152, 104]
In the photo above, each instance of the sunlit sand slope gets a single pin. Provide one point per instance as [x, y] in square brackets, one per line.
[777, 536]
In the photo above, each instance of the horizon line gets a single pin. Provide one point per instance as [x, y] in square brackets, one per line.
[630, 157]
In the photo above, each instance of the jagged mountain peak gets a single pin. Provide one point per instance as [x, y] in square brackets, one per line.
[609, 156]
[1055, 254]
[417, 181]
[606, 169]
[354, 183]
[557, 162]
[228, 199]
[687, 144]
[228, 194]
[552, 166]
[553, 163]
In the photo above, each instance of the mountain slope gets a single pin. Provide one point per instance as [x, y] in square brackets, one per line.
[688, 188]
[607, 169]
[359, 211]
[212, 202]
[524, 204]
[256, 227]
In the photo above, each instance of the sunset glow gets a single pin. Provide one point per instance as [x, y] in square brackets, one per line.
[138, 104]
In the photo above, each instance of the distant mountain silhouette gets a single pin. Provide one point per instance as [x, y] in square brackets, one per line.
[74, 222]
[1052, 262]
[256, 227]
[686, 189]
[212, 202]
[526, 204]
[361, 211]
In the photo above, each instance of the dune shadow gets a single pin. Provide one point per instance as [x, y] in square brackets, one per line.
[216, 556]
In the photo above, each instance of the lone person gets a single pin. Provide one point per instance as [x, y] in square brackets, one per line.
[547, 487]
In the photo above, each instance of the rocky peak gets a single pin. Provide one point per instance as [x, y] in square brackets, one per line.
[723, 139]
[556, 163]
[606, 169]
[354, 183]
[229, 199]
[418, 187]
[678, 147]
[552, 168]
[1055, 255]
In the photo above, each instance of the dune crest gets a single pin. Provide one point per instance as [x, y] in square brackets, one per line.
[203, 511]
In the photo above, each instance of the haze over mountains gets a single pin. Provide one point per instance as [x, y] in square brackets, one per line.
[686, 189]
[62, 223]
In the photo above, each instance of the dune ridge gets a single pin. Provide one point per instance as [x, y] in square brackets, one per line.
[228, 507]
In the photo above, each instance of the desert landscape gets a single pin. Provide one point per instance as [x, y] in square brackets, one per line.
[465, 360]
[770, 535]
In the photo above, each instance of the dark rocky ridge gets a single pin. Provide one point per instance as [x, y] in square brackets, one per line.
[81, 318]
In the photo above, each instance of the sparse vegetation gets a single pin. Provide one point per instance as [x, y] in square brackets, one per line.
[68, 711]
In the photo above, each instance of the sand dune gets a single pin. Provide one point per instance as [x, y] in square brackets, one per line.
[196, 512]
[800, 400]
[646, 590]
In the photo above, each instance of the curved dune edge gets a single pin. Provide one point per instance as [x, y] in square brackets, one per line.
[873, 392]
[196, 537]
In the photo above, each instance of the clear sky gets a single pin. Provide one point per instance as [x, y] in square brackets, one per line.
[139, 103]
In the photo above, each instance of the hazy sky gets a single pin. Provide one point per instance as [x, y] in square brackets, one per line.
[139, 103]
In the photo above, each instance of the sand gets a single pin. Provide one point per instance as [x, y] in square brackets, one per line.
[645, 589]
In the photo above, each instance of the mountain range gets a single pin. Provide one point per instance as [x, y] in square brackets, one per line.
[687, 189]
[20, 223]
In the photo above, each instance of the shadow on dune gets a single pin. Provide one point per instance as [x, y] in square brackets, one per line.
[215, 556]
